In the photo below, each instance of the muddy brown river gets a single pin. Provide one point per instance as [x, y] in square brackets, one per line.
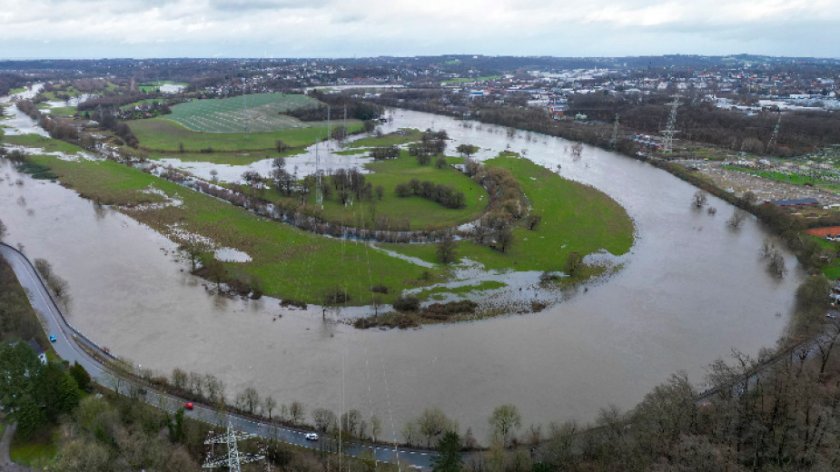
[690, 291]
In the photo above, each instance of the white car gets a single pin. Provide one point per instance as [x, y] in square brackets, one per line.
[311, 436]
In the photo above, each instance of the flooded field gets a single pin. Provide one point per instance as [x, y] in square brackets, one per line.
[689, 292]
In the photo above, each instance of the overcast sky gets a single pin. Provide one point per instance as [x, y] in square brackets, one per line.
[355, 28]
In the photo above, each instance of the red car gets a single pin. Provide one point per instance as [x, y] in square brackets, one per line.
[188, 406]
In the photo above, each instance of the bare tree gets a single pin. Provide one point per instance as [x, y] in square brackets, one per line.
[324, 419]
[268, 405]
[738, 217]
[699, 199]
[505, 420]
[375, 427]
[248, 400]
[826, 343]
[296, 412]
[179, 379]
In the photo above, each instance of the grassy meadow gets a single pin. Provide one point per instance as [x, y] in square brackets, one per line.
[255, 112]
[162, 135]
[575, 218]
[418, 212]
[286, 262]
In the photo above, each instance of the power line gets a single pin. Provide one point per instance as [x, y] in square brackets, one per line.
[670, 129]
[233, 459]
[775, 136]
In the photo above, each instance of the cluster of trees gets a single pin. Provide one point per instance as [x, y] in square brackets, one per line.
[10, 81]
[34, 394]
[57, 128]
[112, 433]
[349, 183]
[385, 152]
[283, 179]
[249, 401]
[107, 119]
[429, 428]
[507, 205]
[432, 143]
[56, 284]
[205, 388]
[443, 194]
[29, 108]
[698, 120]
[338, 103]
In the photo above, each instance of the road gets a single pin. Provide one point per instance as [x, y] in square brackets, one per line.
[69, 343]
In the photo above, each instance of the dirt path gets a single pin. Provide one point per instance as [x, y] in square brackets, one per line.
[6, 464]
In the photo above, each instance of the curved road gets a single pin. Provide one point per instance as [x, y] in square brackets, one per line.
[69, 343]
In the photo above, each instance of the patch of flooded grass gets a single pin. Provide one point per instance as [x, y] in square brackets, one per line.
[44, 143]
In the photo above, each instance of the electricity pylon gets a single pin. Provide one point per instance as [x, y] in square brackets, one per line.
[319, 193]
[670, 129]
[775, 136]
[233, 459]
[614, 137]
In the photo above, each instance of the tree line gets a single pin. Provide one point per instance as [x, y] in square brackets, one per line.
[439, 193]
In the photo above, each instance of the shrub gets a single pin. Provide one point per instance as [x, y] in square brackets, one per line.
[408, 303]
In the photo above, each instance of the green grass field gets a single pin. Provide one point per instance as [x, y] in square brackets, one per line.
[832, 270]
[287, 262]
[418, 212]
[38, 452]
[575, 218]
[396, 138]
[247, 113]
[63, 111]
[159, 134]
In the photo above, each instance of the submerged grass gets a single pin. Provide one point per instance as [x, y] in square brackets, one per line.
[227, 158]
[43, 142]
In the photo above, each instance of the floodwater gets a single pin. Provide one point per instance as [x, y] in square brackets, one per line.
[302, 164]
[690, 291]
[16, 122]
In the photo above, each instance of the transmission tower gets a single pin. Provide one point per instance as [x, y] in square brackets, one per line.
[329, 130]
[670, 129]
[234, 459]
[614, 137]
[775, 136]
[319, 193]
